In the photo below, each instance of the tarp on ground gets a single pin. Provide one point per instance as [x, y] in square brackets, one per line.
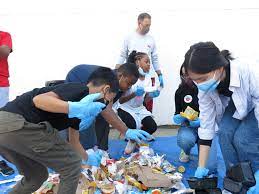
[162, 145]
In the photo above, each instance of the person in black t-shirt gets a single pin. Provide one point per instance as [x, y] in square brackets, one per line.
[29, 125]
[186, 95]
[127, 75]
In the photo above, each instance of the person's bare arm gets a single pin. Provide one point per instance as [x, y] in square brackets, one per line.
[50, 102]
[112, 118]
[4, 51]
[75, 142]
[203, 155]
[126, 98]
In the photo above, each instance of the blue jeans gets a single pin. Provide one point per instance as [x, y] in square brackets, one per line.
[187, 138]
[239, 139]
[87, 137]
[4, 96]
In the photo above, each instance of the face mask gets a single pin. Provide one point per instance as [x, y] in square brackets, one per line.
[145, 31]
[141, 72]
[208, 85]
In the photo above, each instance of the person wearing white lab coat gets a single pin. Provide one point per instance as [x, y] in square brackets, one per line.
[228, 101]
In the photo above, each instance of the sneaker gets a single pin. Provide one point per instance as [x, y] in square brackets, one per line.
[131, 145]
[184, 157]
[5, 170]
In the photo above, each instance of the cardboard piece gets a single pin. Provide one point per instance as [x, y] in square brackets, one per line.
[151, 179]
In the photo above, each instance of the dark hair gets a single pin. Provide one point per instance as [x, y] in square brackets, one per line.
[142, 16]
[134, 56]
[204, 57]
[227, 55]
[104, 75]
[181, 73]
[185, 80]
[129, 69]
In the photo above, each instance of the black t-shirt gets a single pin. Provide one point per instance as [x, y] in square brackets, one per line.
[185, 96]
[118, 95]
[24, 105]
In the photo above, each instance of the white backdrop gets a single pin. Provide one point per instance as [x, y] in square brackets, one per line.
[50, 37]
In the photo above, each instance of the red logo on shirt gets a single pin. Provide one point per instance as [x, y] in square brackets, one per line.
[188, 99]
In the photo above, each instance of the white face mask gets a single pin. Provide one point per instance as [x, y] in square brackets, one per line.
[141, 72]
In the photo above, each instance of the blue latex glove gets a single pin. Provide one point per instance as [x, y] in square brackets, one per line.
[195, 123]
[94, 159]
[139, 91]
[138, 135]
[161, 80]
[178, 119]
[154, 94]
[97, 191]
[201, 172]
[86, 122]
[255, 189]
[86, 107]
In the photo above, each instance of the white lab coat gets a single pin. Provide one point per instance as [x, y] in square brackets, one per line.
[244, 83]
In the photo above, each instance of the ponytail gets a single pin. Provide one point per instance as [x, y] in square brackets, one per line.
[131, 58]
[227, 55]
[134, 56]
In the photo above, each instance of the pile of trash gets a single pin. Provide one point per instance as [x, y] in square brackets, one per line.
[142, 172]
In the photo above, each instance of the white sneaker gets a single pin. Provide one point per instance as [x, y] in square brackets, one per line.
[130, 147]
[184, 157]
[225, 192]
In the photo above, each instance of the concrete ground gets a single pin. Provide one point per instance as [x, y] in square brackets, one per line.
[168, 130]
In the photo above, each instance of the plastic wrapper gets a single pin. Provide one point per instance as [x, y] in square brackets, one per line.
[167, 167]
[146, 151]
[112, 169]
[190, 113]
[156, 191]
[176, 177]
[142, 172]
[121, 188]
[132, 181]
[50, 186]
[184, 191]
[108, 188]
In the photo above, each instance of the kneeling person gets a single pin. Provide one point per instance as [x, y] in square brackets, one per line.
[131, 109]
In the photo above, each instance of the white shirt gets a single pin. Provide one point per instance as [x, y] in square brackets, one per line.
[244, 83]
[137, 102]
[140, 43]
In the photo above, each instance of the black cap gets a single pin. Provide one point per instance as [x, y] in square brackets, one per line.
[204, 57]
